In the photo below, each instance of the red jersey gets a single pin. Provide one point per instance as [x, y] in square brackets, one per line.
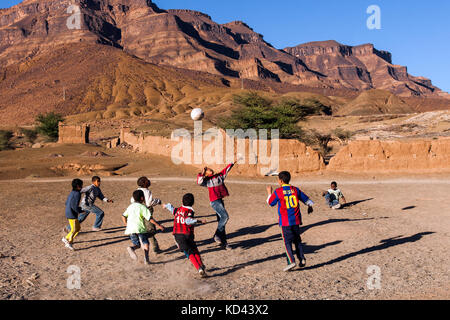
[183, 222]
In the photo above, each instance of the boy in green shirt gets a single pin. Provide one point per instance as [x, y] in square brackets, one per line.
[134, 217]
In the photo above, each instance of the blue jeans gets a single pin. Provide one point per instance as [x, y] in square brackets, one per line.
[92, 209]
[222, 218]
[331, 200]
[137, 238]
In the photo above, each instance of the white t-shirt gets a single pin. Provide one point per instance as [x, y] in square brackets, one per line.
[148, 197]
[337, 193]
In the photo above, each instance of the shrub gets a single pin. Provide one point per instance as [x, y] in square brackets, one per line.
[343, 135]
[5, 139]
[30, 134]
[48, 125]
[322, 141]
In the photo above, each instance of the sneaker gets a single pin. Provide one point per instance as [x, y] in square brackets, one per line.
[336, 207]
[228, 247]
[96, 229]
[147, 262]
[69, 246]
[303, 263]
[202, 273]
[132, 253]
[289, 267]
[66, 230]
[66, 242]
[217, 239]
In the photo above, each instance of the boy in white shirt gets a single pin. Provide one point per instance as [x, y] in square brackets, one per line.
[134, 217]
[144, 184]
[333, 195]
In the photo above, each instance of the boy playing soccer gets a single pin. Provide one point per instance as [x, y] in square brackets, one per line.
[134, 218]
[288, 199]
[144, 184]
[72, 211]
[217, 191]
[87, 204]
[183, 231]
[333, 195]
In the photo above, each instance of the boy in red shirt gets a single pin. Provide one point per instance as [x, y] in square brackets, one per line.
[217, 191]
[183, 231]
[288, 199]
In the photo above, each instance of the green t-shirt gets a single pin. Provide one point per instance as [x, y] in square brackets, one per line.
[135, 214]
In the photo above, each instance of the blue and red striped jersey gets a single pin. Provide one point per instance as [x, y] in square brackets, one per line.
[288, 199]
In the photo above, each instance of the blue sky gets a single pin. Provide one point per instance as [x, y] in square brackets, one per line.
[416, 32]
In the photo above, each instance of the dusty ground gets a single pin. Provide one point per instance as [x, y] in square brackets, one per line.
[399, 224]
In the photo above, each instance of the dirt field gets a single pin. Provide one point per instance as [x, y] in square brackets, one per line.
[401, 225]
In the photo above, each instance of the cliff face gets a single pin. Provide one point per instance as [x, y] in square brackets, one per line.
[191, 40]
[362, 67]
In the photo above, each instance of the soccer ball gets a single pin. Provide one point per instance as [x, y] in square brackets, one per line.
[197, 114]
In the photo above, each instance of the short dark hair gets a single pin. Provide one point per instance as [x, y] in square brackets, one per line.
[76, 183]
[334, 183]
[285, 176]
[142, 182]
[138, 196]
[188, 200]
[96, 178]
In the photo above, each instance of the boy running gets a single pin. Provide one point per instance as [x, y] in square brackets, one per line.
[72, 211]
[87, 204]
[333, 195]
[183, 231]
[144, 184]
[134, 218]
[217, 191]
[288, 199]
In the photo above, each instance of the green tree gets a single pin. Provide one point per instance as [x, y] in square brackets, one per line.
[256, 112]
[48, 124]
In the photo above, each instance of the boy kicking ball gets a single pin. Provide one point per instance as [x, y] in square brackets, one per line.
[288, 199]
[134, 218]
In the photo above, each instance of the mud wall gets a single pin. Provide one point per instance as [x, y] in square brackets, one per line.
[73, 134]
[294, 156]
[387, 156]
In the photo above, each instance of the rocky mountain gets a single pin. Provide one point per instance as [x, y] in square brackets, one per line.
[362, 67]
[191, 40]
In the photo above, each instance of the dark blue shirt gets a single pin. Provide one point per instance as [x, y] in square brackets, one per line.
[73, 205]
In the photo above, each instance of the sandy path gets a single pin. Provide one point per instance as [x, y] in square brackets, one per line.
[400, 225]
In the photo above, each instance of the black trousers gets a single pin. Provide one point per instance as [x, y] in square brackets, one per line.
[186, 243]
[292, 238]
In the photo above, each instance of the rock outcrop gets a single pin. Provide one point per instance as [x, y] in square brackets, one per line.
[393, 156]
[190, 39]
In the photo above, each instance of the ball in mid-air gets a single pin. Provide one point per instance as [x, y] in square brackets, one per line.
[197, 114]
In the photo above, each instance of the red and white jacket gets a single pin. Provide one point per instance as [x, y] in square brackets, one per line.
[215, 184]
